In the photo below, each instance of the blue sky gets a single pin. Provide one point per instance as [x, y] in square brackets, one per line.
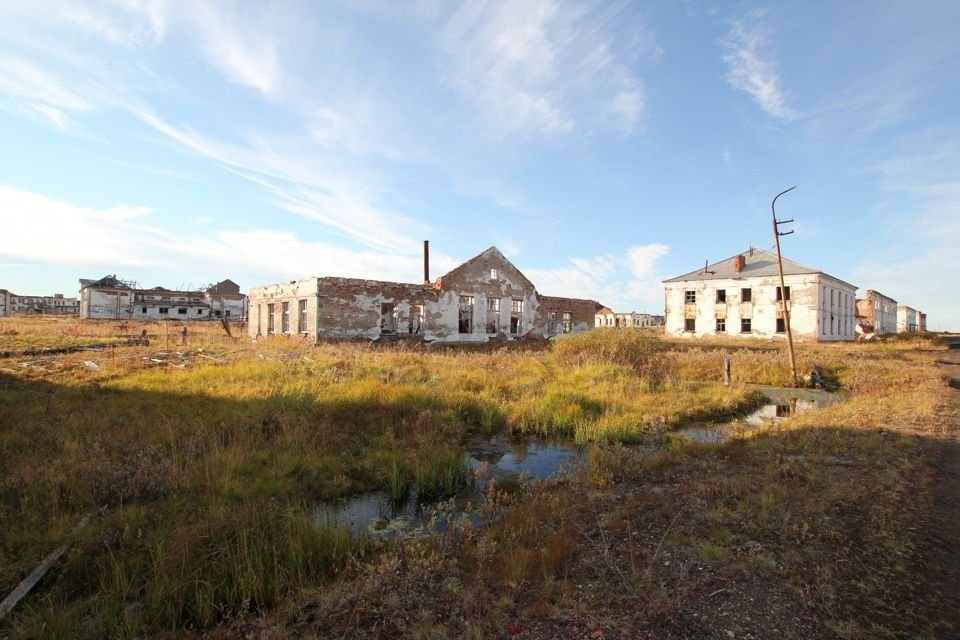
[602, 146]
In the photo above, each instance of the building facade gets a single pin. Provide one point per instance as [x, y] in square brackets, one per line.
[56, 304]
[485, 298]
[908, 319]
[877, 313]
[110, 298]
[741, 296]
[607, 318]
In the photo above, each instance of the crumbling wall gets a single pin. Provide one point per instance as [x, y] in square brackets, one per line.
[551, 318]
[105, 304]
[354, 308]
[262, 322]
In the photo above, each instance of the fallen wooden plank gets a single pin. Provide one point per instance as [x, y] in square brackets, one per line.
[37, 574]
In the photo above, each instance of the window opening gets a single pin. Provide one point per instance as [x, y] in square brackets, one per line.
[516, 316]
[493, 314]
[270, 320]
[721, 325]
[746, 295]
[466, 314]
[780, 293]
[721, 295]
[552, 322]
[690, 324]
[415, 321]
[285, 318]
[388, 317]
[781, 326]
[302, 316]
[689, 297]
[746, 325]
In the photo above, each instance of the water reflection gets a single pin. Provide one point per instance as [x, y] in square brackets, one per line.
[492, 459]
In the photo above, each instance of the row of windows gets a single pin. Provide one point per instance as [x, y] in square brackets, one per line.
[284, 317]
[466, 315]
[746, 295]
[746, 325]
[166, 311]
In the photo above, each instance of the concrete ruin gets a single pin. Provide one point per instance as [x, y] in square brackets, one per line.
[741, 296]
[56, 304]
[485, 298]
[877, 313]
[631, 320]
[110, 298]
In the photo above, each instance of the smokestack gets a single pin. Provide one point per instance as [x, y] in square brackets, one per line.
[426, 262]
[738, 263]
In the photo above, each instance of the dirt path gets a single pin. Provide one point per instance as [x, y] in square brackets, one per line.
[942, 555]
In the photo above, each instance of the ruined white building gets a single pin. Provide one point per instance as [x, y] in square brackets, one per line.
[877, 313]
[908, 319]
[485, 297]
[607, 318]
[741, 296]
[110, 298]
[56, 304]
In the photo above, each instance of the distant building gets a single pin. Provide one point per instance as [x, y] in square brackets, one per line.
[56, 304]
[877, 313]
[607, 318]
[908, 319]
[741, 296]
[485, 298]
[110, 298]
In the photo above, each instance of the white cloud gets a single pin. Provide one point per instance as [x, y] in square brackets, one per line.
[753, 68]
[123, 238]
[542, 67]
[48, 115]
[629, 282]
[23, 79]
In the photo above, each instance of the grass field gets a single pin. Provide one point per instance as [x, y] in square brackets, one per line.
[201, 463]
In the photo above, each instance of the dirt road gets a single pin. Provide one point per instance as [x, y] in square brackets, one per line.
[942, 554]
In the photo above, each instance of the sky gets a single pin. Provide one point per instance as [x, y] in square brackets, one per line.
[601, 146]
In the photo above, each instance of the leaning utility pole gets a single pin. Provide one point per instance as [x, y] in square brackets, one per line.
[783, 289]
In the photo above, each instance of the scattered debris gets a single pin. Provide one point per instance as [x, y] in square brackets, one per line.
[90, 364]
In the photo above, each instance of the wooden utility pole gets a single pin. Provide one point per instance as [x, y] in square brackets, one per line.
[784, 298]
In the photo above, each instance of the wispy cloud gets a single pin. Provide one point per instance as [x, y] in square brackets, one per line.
[749, 54]
[922, 184]
[543, 67]
[125, 237]
[623, 282]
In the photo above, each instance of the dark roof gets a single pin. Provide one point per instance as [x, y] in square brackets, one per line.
[106, 282]
[757, 264]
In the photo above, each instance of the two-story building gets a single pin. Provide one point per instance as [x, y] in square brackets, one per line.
[741, 296]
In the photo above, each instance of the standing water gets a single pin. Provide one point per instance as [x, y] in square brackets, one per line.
[492, 459]
[780, 403]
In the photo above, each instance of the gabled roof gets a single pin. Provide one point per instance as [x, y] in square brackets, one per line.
[490, 254]
[757, 264]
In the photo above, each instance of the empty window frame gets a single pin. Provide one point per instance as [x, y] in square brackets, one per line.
[552, 325]
[493, 314]
[746, 294]
[781, 325]
[259, 317]
[415, 320]
[516, 316]
[567, 322]
[199, 312]
[270, 319]
[285, 317]
[721, 325]
[164, 310]
[746, 325]
[689, 297]
[494, 274]
[301, 316]
[780, 293]
[689, 324]
[721, 295]
[466, 314]
[388, 317]
[144, 310]
[182, 311]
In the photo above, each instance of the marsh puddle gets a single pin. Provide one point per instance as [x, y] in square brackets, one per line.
[497, 459]
[781, 403]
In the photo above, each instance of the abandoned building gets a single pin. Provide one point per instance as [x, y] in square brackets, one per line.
[608, 318]
[484, 298]
[110, 298]
[741, 296]
[877, 313]
[908, 319]
[56, 304]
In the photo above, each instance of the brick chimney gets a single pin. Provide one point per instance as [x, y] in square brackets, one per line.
[426, 262]
[739, 263]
